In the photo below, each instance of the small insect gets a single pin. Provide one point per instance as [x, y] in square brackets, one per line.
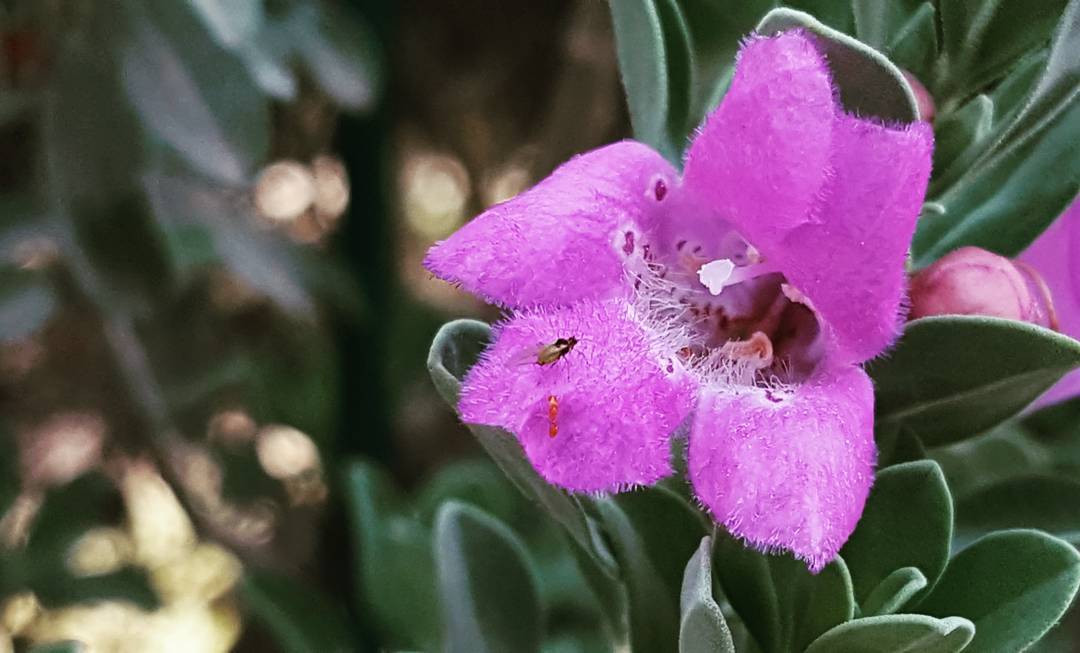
[553, 415]
[548, 354]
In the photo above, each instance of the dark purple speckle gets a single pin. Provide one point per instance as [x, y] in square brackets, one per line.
[660, 190]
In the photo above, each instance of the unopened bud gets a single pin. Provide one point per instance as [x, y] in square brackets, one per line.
[973, 281]
[923, 99]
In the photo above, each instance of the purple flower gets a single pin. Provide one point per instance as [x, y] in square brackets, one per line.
[740, 298]
[1056, 257]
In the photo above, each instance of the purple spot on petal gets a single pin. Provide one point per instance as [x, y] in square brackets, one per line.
[773, 398]
[628, 244]
[660, 190]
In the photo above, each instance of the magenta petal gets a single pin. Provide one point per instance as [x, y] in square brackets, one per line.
[617, 403]
[763, 155]
[559, 241]
[787, 470]
[1056, 256]
[850, 261]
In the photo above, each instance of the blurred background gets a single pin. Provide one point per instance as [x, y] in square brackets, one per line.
[217, 427]
[212, 220]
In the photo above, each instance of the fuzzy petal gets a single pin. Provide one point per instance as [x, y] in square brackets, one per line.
[617, 401]
[1056, 256]
[850, 261]
[563, 239]
[787, 470]
[763, 155]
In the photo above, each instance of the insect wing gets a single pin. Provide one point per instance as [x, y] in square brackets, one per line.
[527, 356]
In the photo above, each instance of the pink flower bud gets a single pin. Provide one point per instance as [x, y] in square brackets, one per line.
[973, 281]
[923, 99]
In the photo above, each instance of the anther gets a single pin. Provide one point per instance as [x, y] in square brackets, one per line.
[757, 350]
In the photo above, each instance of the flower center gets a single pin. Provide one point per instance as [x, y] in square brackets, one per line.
[730, 321]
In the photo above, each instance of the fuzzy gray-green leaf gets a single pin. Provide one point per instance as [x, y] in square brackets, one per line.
[1013, 585]
[454, 350]
[652, 42]
[782, 604]
[702, 628]
[894, 591]
[907, 522]
[300, 619]
[487, 586]
[869, 84]
[653, 533]
[951, 377]
[1048, 503]
[897, 632]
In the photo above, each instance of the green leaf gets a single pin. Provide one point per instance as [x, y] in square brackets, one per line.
[395, 571]
[479, 482]
[455, 348]
[960, 138]
[1056, 430]
[869, 84]
[1013, 585]
[1006, 452]
[746, 579]
[1029, 176]
[907, 522]
[837, 15]
[59, 647]
[653, 533]
[1059, 84]
[475, 482]
[192, 96]
[894, 591]
[783, 605]
[876, 23]
[487, 586]
[913, 46]
[811, 604]
[339, 52]
[69, 511]
[652, 42]
[10, 483]
[898, 445]
[55, 588]
[982, 38]
[301, 619]
[1005, 203]
[26, 304]
[951, 377]
[231, 22]
[610, 592]
[716, 29]
[898, 632]
[1010, 94]
[702, 628]
[1047, 503]
[87, 116]
[200, 223]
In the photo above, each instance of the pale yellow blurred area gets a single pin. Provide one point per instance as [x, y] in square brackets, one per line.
[192, 579]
